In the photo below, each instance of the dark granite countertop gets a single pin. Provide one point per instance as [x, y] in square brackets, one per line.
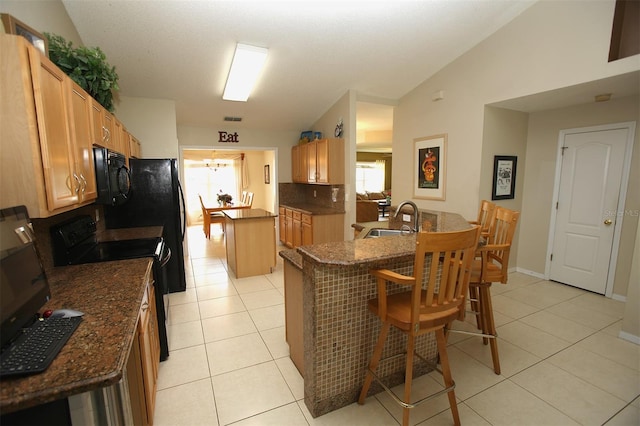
[312, 209]
[292, 256]
[248, 214]
[360, 252]
[110, 295]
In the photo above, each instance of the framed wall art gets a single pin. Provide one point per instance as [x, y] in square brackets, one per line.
[504, 177]
[430, 167]
[14, 26]
[267, 174]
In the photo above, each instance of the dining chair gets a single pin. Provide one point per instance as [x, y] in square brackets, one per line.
[249, 199]
[436, 297]
[243, 198]
[491, 265]
[209, 218]
[485, 216]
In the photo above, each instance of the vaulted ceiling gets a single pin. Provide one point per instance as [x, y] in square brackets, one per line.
[182, 49]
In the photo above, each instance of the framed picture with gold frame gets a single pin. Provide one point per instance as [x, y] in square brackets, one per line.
[14, 26]
[430, 167]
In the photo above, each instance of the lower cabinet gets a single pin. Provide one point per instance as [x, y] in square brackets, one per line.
[300, 229]
[144, 360]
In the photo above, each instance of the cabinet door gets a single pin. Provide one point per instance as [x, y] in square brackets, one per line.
[50, 93]
[295, 163]
[145, 342]
[82, 141]
[322, 161]
[98, 131]
[297, 232]
[108, 130]
[307, 230]
[311, 161]
[136, 384]
[289, 228]
[134, 147]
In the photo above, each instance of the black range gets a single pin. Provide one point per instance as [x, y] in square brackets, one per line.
[74, 242]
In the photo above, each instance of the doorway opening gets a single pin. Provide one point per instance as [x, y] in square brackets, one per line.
[212, 172]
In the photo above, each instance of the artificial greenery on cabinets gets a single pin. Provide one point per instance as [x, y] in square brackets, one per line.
[87, 66]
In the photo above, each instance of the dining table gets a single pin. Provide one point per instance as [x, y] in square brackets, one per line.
[228, 206]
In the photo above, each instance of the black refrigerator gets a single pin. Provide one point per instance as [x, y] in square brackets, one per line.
[156, 198]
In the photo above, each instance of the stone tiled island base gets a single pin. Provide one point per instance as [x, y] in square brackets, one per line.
[339, 338]
[339, 331]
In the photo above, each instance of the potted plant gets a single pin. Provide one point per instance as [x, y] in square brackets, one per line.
[87, 66]
[224, 199]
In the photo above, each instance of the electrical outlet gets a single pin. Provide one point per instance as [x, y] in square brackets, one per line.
[314, 193]
[97, 215]
[406, 217]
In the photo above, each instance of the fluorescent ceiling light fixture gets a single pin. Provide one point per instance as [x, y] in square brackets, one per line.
[245, 68]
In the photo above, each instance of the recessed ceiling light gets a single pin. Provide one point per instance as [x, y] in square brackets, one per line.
[245, 69]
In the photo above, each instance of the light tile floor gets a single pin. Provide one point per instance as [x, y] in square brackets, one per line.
[562, 362]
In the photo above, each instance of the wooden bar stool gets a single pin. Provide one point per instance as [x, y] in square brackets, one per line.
[443, 267]
[491, 265]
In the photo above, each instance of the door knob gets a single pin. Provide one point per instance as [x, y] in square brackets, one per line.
[607, 222]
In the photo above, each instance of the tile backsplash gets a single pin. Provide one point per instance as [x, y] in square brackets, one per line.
[309, 194]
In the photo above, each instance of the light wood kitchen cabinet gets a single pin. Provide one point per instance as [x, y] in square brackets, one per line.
[117, 137]
[49, 126]
[296, 169]
[103, 126]
[288, 229]
[41, 163]
[320, 161]
[300, 228]
[250, 237]
[282, 230]
[306, 229]
[134, 147]
[297, 228]
[143, 363]
[50, 89]
[81, 136]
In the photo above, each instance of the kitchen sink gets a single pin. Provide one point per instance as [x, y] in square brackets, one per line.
[384, 232]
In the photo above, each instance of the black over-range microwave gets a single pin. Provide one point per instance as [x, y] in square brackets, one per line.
[113, 180]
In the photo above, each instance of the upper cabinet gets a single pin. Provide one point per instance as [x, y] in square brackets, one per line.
[45, 137]
[51, 96]
[320, 161]
[81, 136]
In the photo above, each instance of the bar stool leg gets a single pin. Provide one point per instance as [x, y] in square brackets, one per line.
[375, 359]
[490, 327]
[408, 377]
[446, 372]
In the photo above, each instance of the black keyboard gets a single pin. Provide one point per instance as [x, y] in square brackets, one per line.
[37, 346]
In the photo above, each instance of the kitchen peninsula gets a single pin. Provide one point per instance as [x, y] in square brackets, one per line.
[250, 241]
[338, 332]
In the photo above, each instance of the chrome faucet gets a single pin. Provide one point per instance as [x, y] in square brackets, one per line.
[416, 214]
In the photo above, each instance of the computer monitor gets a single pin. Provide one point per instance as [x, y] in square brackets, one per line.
[23, 284]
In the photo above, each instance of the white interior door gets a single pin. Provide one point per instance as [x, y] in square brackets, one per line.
[588, 199]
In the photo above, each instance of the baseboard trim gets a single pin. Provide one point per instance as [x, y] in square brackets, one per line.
[528, 272]
[629, 337]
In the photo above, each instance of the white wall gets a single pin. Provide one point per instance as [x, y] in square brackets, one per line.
[194, 137]
[345, 109]
[542, 143]
[153, 123]
[44, 16]
[552, 44]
